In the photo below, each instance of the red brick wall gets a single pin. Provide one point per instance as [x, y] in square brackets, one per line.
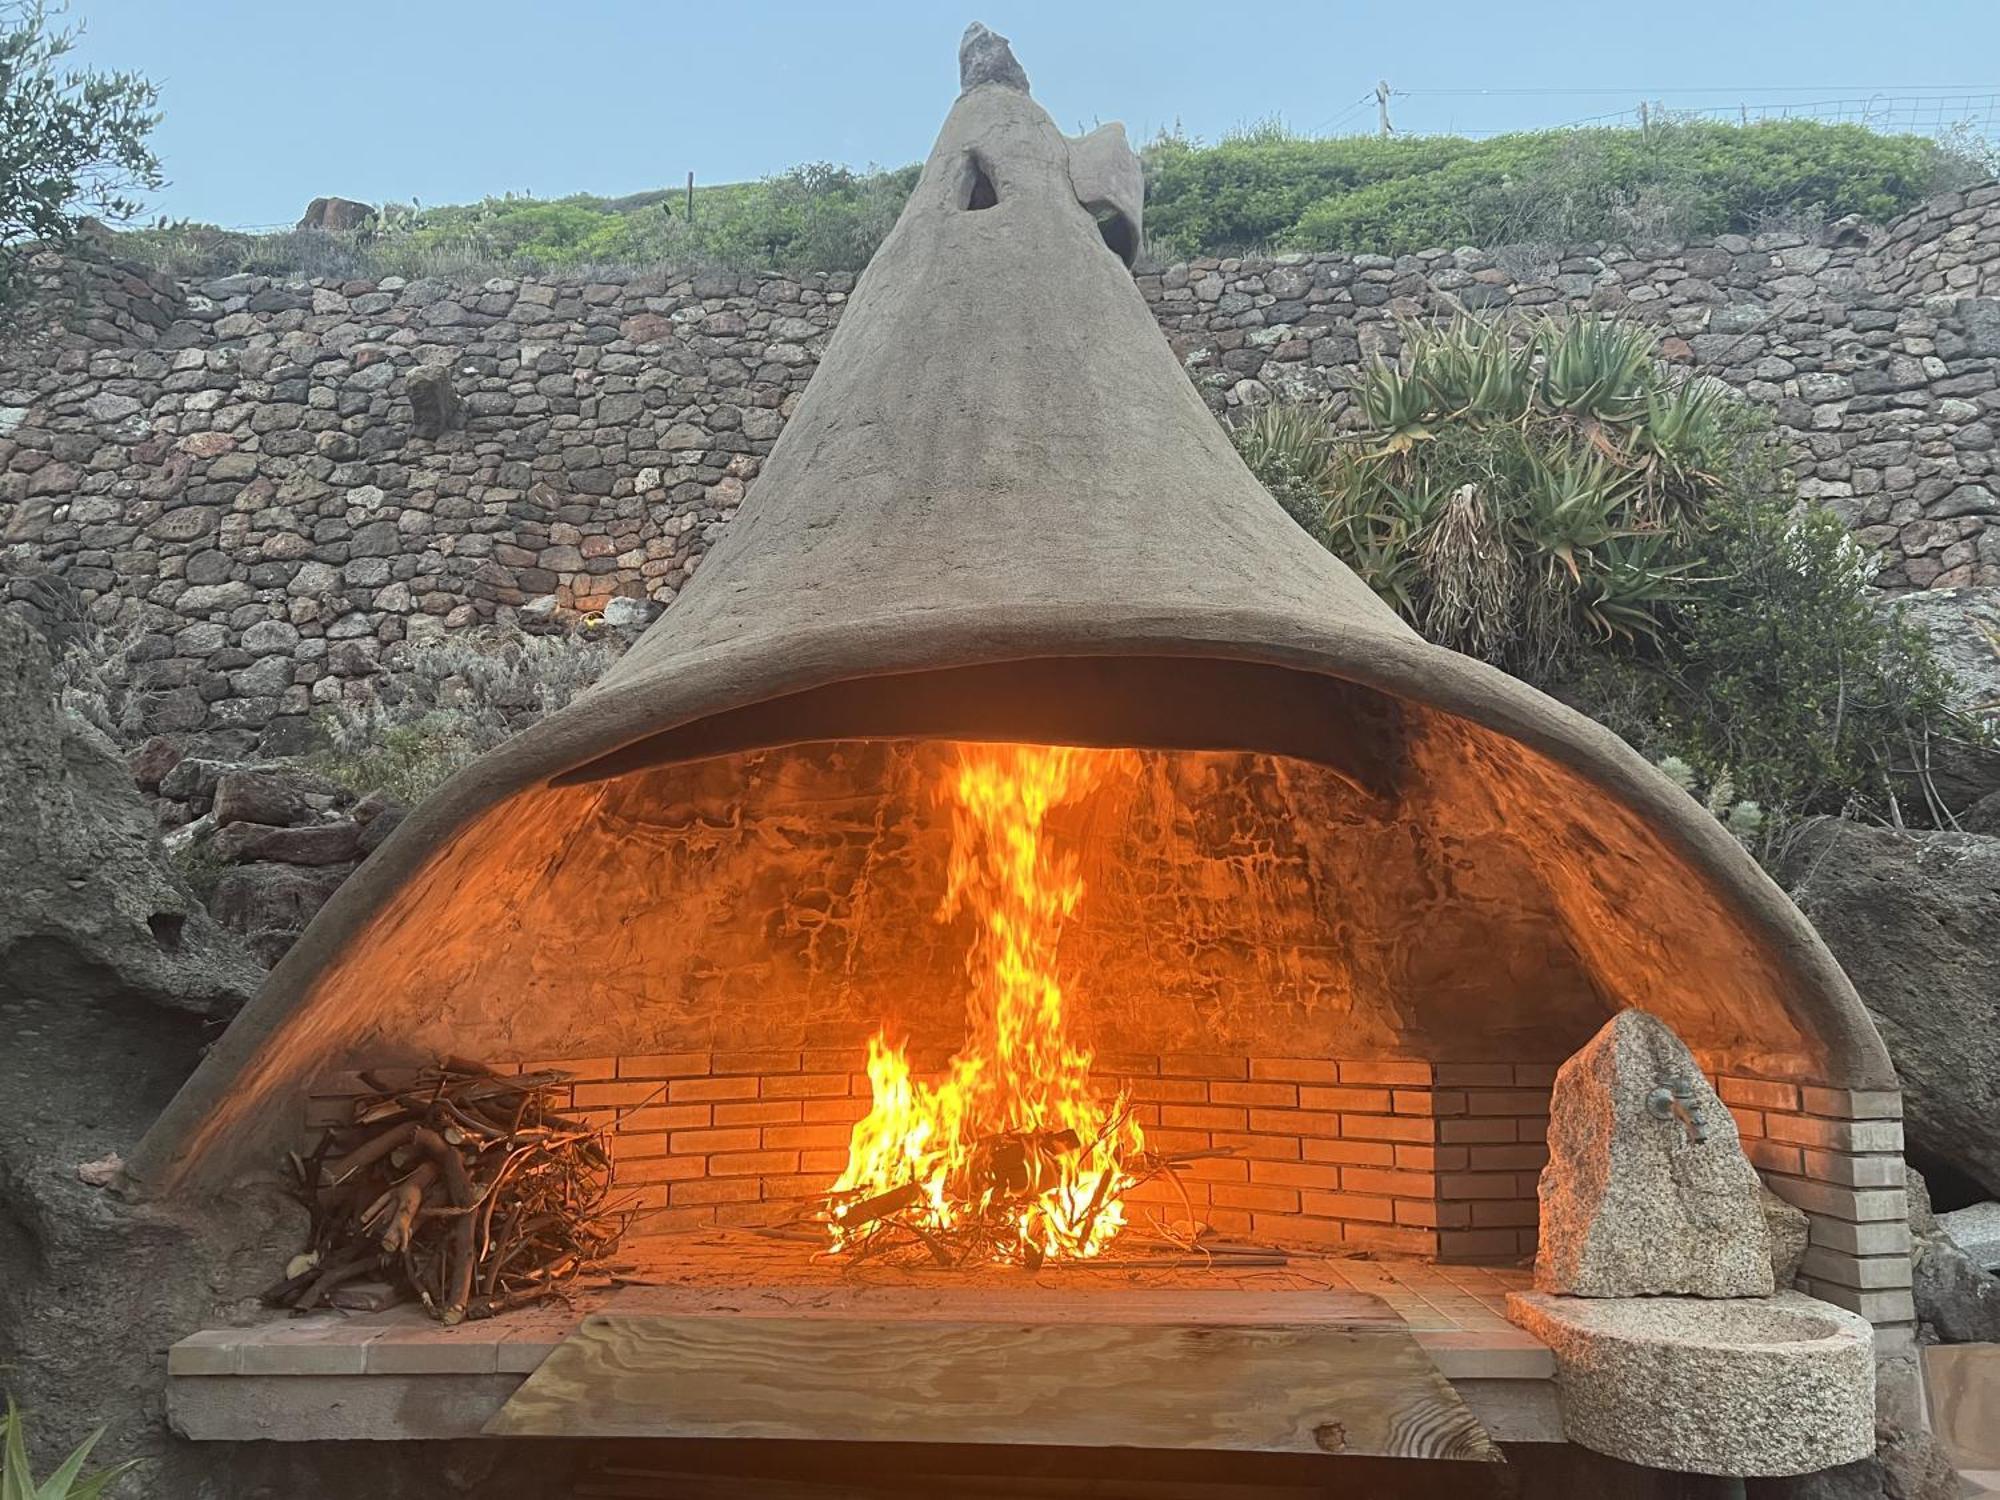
[1436, 1160]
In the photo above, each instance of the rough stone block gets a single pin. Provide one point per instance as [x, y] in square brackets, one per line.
[1647, 1190]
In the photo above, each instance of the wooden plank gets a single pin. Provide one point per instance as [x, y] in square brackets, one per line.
[1275, 1388]
[1026, 1304]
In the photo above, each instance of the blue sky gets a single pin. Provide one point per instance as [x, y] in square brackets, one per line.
[270, 102]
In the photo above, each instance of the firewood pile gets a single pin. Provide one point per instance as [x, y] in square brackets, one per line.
[1002, 1177]
[464, 1189]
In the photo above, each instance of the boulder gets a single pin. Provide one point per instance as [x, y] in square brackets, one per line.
[318, 844]
[985, 57]
[379, 828]
[1963, 627]
[1647, 1190]
[1976, 1231]
[259, 797]
[112, 980]
[1914, 919]
[621, 613]
[1983, 816]
[196, 779]
[336, 215]
[1957, 1302]
[193, 779]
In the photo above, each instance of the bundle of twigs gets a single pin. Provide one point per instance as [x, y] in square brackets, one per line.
[462, 1188]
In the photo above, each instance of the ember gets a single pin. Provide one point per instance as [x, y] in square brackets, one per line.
[1012, 1155]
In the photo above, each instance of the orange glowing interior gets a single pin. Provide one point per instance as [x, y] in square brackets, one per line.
[1013, 1143]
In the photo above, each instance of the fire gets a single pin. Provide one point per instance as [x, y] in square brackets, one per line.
[1012, 1148]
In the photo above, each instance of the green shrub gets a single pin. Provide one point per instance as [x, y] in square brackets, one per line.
[813, 218]
[1551, 499]
[1782, 678]
[68, 1482]
[1676, 180]
[1290, 447]
[1250, 189]
[1389, 197]
[1515, 494]
[72, 140]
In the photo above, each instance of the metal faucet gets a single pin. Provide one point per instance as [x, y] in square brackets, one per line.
[1675, 1101]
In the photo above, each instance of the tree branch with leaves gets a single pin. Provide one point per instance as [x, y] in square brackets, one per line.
[72, 139]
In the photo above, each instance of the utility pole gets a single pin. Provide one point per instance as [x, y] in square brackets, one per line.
[690, 198]
[1644, 121]
[1382, 107]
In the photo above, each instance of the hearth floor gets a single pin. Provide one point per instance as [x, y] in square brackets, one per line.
[250, 1381]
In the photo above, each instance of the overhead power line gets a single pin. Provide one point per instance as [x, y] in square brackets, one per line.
[1655, 93]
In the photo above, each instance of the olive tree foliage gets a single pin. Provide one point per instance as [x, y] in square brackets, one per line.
[72, 140]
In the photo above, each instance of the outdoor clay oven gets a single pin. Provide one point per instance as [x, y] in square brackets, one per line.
[1016, 775]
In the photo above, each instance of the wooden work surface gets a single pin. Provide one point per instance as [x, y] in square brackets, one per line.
[1282, 1372]
[337, 1376]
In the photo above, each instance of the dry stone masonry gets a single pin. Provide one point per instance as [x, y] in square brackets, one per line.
[299, 479]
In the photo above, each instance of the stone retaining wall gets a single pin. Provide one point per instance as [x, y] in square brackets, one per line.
[264, 489]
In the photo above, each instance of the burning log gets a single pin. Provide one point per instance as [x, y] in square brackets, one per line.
[464, 1189]
[1005, 1175]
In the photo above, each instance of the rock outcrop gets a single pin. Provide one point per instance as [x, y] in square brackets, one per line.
[1647, 1190]
[1963, 628]
[1957, 1302]
[94, 913]
[1914, 918]
[112, 979]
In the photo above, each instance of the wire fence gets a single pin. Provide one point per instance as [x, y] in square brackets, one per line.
[1892, 114]
[1958, 111]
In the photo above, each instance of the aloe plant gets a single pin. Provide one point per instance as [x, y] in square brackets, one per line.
[1517, 491]
[68, 1482]
[1548, 497]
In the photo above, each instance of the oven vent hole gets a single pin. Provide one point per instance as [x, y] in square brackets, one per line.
[167, 927]
[1118, 234]
[979, 191]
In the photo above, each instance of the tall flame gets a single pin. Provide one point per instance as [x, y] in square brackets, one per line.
[1012, 1141]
